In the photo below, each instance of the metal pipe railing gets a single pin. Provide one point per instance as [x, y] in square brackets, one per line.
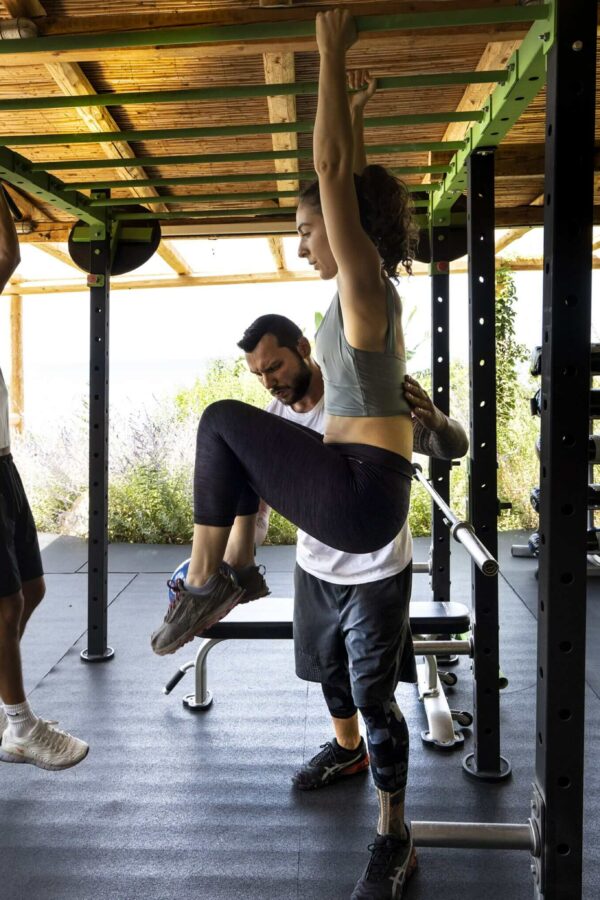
[461, 530]
[477, 836]
[443, 648]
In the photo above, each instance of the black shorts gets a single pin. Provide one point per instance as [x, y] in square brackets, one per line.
[20, 558]
[356, 633]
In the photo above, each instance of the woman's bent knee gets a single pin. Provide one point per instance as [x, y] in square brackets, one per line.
[221, 410]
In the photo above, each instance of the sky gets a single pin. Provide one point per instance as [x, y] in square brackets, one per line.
[161, 340]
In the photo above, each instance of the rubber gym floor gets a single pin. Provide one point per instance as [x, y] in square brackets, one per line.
[175, 805]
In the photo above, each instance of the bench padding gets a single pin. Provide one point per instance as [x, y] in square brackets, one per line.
[271, 619]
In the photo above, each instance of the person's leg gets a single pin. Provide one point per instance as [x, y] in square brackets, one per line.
[320, 656]
[388, 740]
[347, 732]
[239, 551]
[34, 592]
[25, 738]
[11, 674]
[243, 452]
[346, 754]
[379, 643]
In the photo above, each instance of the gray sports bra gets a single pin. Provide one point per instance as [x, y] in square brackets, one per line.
[361, 382]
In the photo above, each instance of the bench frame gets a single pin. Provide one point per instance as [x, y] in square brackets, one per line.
[451, 618]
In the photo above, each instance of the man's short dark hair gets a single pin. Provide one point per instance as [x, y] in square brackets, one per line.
[287, 332]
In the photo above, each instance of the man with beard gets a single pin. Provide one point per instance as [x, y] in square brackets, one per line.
[351, 611]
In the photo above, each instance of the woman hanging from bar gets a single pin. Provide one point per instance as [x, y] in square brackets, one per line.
[350, 488]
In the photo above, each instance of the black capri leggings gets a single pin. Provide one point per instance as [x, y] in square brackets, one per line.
[387, 735]
[353, 497]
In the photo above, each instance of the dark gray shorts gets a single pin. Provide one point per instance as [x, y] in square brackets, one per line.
[20, 558]
[357, 634]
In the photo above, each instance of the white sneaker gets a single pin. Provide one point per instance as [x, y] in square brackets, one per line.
[44, 746]
[3, 722]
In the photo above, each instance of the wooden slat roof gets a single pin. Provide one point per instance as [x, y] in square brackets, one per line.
[162, 68]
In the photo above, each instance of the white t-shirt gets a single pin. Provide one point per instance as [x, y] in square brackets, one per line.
[4, 427]
[333, 565]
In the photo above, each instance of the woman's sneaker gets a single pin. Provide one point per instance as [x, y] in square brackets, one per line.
[252, 580]
[331, 764]
[3, 722]
[193, 612]
[392, 863]
[45, 746]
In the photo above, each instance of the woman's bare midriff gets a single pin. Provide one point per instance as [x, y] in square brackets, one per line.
[393, 433]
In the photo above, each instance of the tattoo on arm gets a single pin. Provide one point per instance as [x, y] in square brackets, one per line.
[450, 443]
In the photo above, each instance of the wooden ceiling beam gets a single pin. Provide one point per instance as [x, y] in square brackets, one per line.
[27, 9]
[280, 69]
[526, 160]
[495, 56]
[173, 258]
[58, 232]
[277, 252]
[433, 41]
[235, 15]
[74, 286]
[513, 235]
[57, 252]
[72, 81]
[70, 286]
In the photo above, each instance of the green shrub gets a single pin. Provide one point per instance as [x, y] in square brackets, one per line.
[419, 516]
[150, 504]
[224, 379]
[281, 531]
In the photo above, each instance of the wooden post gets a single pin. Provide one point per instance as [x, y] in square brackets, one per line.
[17, 385]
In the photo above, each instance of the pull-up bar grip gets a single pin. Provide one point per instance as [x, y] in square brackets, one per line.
[199, 35]
[460, 530]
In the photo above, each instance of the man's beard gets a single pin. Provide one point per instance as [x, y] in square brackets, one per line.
[299, 386]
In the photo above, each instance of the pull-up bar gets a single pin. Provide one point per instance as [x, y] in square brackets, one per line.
[245, 156]
[301, 126]
[257, 31]
[243, 92]
[309, 175]
[460, 530]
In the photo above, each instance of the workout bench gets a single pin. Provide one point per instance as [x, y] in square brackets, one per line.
[271, 619]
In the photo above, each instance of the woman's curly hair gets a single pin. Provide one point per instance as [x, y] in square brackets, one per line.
[386, 214]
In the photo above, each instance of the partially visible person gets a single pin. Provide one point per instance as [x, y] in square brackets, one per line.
[351, 611]
[24, 737]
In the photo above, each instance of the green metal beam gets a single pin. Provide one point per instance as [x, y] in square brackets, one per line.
[175, 199]
[248, 156]
[203, 213]
[302, 126]
[242, 179]
[421, 219]
[242, 92]
[198, 35]
[16, 170]
[527, 75]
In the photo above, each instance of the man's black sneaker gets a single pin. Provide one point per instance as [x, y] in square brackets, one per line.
[392, 863]
[252, 580]
[331, 764]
